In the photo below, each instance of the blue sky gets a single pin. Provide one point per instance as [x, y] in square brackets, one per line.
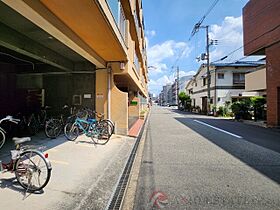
[168, 25]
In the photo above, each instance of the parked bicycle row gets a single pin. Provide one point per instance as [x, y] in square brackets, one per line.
[72, 123]
[30, 164]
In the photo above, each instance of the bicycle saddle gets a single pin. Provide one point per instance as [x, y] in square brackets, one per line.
[21, 140]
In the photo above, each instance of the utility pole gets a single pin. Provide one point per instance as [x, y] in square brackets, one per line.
[178, 86]
[208, 70]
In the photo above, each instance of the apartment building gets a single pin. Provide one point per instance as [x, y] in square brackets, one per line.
[83, 53]
[166, 95]
[177, 88]
[227, 83]
[262, 37]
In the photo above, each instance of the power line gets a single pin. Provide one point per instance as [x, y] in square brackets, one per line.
[198, 24]
[247, 43]
[195, 29]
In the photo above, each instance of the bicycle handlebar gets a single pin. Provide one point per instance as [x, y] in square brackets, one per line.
[11, 119]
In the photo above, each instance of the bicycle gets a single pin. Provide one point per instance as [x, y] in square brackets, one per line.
[30, 166]
[98, 131]
[54, 126]
[100, 117]
[3, 132]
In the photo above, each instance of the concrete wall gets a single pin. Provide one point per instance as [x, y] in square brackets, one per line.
[101, 92]
[8, 98]
[255, 81]
[119, 110]
[119, 100]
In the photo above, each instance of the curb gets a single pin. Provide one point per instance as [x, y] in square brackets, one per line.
[118, 196]
[129, 196]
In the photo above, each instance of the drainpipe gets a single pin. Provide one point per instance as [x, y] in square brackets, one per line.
[109, 92]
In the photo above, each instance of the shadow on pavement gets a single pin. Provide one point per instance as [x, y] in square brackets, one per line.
[262, 160]
[12, 184]
[265, 137]
[38, 140]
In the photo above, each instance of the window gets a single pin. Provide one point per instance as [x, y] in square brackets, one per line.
[136, 62]
[118, 14]
[122, 20]
[114, 7]
[238, 78]
[221, 76]
[205, 81]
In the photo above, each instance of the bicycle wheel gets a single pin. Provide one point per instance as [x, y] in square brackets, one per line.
[33, 125]
[111, 126]
[102, 130]
[32, 171]
[71, 131]
[53, 128]
[2, 138]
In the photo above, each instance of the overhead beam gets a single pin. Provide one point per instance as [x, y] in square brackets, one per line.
[15, 41]
[38, 14]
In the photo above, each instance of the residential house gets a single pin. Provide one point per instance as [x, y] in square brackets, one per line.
[255, 82]
[227, 83]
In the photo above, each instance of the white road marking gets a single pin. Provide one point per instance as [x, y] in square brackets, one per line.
[203, 123]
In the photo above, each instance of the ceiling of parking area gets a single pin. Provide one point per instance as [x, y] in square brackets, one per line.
[23, 35]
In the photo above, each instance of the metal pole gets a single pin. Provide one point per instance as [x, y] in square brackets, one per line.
[208, 71]
[109, 93]
[178, 86]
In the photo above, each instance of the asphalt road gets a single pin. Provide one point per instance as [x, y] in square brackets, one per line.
[198, 162]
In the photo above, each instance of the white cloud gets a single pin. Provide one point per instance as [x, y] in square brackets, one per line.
[159, 54]
[230, 37]
[164, 80]
[151, 33]
[186, 73]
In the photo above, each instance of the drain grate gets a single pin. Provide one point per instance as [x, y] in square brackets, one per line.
[116, 200]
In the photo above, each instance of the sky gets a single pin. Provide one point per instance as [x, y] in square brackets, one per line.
[168, 27]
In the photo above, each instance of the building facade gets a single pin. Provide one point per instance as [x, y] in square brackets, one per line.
[83, 53]
[165, 96]
[262, 37]
[227, 84]
[256, 81]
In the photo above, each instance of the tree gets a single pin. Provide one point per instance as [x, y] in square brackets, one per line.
[258, 103]
[185, 100]
[241, 109]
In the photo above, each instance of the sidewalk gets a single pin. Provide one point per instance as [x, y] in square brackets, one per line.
[83, 175]
[135, 129]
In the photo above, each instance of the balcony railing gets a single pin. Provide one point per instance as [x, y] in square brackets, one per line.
[119, 16]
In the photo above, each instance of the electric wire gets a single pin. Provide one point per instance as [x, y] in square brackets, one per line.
[247, 43]
[194, 32]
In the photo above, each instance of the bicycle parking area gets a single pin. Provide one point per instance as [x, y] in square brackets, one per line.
[80, 168]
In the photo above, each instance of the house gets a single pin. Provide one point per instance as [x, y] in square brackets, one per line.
[227, 83]
[255, 82]
[83, 53]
